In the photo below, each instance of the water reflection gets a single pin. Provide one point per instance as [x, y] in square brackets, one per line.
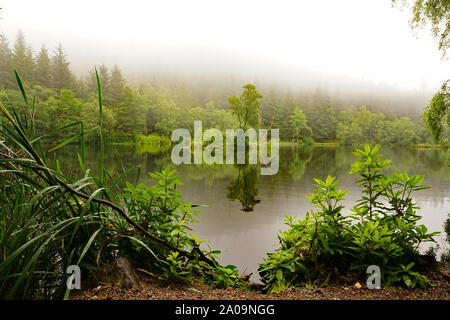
[228, 190]
[245, 187]
[300, 158]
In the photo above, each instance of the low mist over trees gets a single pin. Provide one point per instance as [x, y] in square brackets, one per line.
[160, 106]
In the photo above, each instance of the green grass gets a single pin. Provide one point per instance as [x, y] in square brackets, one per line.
[327, 144]
[319, 144]
[427, 146]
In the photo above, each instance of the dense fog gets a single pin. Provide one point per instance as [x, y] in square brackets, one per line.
[357, 52]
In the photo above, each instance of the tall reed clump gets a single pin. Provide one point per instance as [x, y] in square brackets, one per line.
[50, 220]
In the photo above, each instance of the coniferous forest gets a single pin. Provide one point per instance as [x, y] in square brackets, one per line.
[157, 108]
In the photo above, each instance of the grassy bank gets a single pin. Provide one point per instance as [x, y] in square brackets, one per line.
[281, 144]
[427, 146]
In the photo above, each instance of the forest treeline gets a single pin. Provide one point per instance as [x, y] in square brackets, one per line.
[153, 108]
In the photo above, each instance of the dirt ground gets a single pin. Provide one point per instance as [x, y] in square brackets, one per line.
[153, 289]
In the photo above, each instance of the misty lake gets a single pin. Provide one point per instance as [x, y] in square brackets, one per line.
[243, 211]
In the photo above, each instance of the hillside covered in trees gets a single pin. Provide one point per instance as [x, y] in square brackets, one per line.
[158, 107]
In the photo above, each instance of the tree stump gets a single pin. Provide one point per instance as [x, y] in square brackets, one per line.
[121, 271]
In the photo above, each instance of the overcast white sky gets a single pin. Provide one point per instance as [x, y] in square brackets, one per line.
[363, 39]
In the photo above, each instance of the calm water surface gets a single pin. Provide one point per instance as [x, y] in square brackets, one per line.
[244, 210]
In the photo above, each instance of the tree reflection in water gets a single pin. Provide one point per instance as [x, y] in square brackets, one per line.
[245, 187]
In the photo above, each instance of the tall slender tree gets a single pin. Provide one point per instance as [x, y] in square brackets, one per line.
[42, 71]
[104, 77]
[246, 108]
[5, 63]
[61, 76]
[116, 86]
[22, 58]
[129, 114]
[297, 122]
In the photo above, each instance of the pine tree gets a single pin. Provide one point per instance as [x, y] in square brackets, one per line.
[116, 86]
[103, 74]
[129, 114]
[30, 64]
[42, 70]
[22, 58]
[6, 73]
[91, 82]
[104, 77]
[61, 76]
[80, 89]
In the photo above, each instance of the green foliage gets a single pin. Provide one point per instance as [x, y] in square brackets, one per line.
[61, 76]
[246, 108]
[42, 72]
[381, 230]
[435, 12]
[405, 276]
[6, 78]
[64, 103]
[369, 168]
[322, 120]
[225, 277]
[159, 108]
[373, 243]
[128, 114]
[33, 231]
[153, 140]
[89, 116]
[437, 115]
[22, 58]
[116, 86]
[175, 270]
[44, 229]
[49, 220]
[160, 209]
[297, 121]
[211, 117]
[446, 254]
[280, 269]
[360, 126]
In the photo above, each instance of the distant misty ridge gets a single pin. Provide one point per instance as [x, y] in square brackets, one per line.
[205, 74]
[158, 103]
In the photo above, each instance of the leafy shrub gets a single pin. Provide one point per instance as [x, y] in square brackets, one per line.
[225, 277]
[153, 140]
[381, 229]
[404, 275]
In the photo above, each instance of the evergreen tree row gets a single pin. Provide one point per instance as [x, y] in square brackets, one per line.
[53, 70]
